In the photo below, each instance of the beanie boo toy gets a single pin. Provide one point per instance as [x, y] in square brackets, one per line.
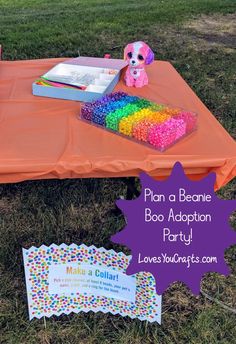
[137, 54]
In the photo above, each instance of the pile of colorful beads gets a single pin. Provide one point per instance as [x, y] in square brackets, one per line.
[140, 119]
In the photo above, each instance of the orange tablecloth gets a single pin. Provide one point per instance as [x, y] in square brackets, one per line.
[42, 138]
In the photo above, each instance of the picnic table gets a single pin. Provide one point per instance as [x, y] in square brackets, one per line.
[43, 138]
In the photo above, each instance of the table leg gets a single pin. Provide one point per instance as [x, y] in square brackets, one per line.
[132, 190]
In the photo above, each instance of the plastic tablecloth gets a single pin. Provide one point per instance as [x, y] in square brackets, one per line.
[43, 138]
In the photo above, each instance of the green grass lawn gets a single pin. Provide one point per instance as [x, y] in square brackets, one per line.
[198, 38]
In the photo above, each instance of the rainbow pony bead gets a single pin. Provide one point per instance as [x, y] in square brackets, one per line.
[140, 119]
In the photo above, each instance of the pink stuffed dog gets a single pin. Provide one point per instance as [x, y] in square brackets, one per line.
[137, 54]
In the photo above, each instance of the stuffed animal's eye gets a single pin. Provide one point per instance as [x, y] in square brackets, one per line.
[140, 57]
[129, 55]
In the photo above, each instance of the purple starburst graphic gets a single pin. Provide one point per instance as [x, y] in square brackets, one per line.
[177, 229]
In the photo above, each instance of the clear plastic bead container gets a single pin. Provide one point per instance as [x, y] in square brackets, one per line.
[157, 125]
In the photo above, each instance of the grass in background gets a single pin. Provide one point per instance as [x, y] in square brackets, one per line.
[197, 37]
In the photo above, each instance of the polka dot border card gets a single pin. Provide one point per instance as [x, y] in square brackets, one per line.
[64, 279]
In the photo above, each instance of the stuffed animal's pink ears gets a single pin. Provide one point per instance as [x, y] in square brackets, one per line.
[127, 48]
[150, 57]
